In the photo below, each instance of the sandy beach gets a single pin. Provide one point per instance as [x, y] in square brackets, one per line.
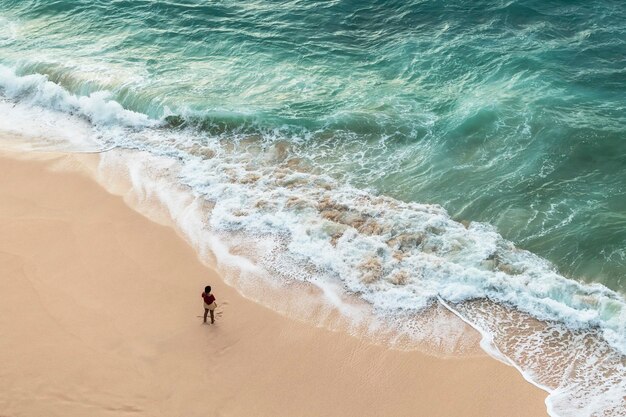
[100, 316]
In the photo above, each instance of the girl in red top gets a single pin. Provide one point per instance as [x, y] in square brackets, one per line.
[209, 303]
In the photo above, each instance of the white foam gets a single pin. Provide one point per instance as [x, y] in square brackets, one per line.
[98, 107]
[47, 129]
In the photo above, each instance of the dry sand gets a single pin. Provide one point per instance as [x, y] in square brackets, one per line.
[99, 317]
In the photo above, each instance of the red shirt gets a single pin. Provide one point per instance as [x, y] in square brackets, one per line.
[208, 298]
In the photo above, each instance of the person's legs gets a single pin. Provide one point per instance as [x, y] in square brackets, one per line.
[206, 310]
[212, 318]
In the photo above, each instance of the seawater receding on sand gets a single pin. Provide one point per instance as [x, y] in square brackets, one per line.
[582, 372]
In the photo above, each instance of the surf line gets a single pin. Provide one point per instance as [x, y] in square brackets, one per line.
[487, 344]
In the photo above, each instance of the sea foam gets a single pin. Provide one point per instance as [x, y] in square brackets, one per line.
[98, 107]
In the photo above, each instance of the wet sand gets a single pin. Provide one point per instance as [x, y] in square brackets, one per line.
[100, 316]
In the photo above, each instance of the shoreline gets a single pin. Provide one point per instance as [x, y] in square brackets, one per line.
[120, 333]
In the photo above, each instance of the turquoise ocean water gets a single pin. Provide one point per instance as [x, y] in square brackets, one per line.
[487, 134]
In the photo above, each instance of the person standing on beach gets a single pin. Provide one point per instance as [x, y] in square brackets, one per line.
[209, 303]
